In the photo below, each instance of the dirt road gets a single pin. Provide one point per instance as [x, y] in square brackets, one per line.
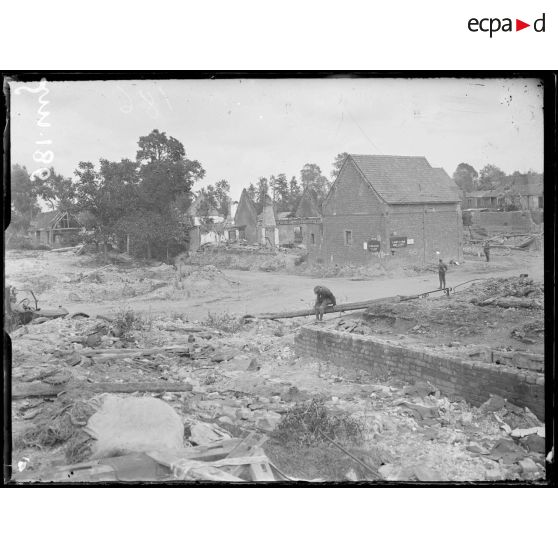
[250, 292]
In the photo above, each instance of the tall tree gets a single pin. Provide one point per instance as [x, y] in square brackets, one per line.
[491, 177]
[57, 191]
[338, 163]
[216, 197]
[23, 198]
[311, 177]
[294, 194]
[281, 193]
[465, 176]
[252, 192]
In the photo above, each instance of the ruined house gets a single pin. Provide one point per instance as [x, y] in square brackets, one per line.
[388, 206]
[267, 231]
[55, 228]
[204, 223]
[245, 220]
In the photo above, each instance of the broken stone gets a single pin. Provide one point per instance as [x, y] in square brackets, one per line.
[203, 434]
[225, 420]
[243, 364]
[494, 403]
[244, 414]
[507, 451]
[533, 442]
[222, 356]
[522, 432]
[494, 475]
[528, 466]
[476, 448]
[73, 360]
[134, 424]
[421, 389]
[276, 399]
[426, 474]
[269, 422]
[466, 418]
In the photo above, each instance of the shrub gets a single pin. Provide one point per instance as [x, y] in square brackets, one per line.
[306, 423]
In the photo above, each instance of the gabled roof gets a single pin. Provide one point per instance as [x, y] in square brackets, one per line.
[245, 201]
[46, 220]
[308, 205]
[404, 179]
[535, 189]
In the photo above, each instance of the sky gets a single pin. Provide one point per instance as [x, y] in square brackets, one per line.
[240, 130]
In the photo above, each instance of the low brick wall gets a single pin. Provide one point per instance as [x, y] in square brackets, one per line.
[472, 380]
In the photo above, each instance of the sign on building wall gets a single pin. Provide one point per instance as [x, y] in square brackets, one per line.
[373, 245]
[398, 241]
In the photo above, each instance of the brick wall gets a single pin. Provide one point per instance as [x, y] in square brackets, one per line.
[504, 221]
[472, 380]
[433, 228]
[353, 206]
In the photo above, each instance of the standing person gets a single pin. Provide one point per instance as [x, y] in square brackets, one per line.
[324, 298]
[442, 268]
[486, 248]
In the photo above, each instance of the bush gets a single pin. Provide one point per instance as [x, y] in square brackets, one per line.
[222, 322]
[306, 423]
[126, 321]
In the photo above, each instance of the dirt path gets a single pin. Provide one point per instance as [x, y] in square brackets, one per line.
[258, 292]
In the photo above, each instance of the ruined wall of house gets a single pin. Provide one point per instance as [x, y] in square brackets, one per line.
[246, 221]
[472, 380]
[494, 222]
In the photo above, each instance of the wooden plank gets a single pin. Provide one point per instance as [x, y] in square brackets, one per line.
[46, 390]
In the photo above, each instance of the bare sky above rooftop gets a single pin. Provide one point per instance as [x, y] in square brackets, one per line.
[243, 129]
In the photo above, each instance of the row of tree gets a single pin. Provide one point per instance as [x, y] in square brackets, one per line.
[143, 199]
[146, 199]
[490, 177]
[286, 194]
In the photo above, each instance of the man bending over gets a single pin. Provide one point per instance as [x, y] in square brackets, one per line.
[324, 298]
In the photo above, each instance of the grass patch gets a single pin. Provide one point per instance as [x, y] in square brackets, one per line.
[222, 322]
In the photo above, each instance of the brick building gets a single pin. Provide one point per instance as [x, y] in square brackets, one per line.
[388, 206]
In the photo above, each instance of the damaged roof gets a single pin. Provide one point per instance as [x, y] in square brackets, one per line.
[46, 220]
[405, 179]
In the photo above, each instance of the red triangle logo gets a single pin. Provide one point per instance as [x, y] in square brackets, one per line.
[519, 25]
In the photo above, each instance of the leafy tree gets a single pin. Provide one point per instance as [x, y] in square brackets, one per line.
[156, 147]
[491, 177]
[465, 176]
[23, 198]
[218, 197]
[281, 193]
[252, 192]
[295, 194]
[57, 191]
[166, 177]
[338, 163]
[311, 177]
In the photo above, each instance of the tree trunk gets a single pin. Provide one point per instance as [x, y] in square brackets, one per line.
[330, 309]
[149, 250]
[105, 250]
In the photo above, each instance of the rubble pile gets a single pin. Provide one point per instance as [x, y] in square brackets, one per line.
[226, 387]
[520, 292]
